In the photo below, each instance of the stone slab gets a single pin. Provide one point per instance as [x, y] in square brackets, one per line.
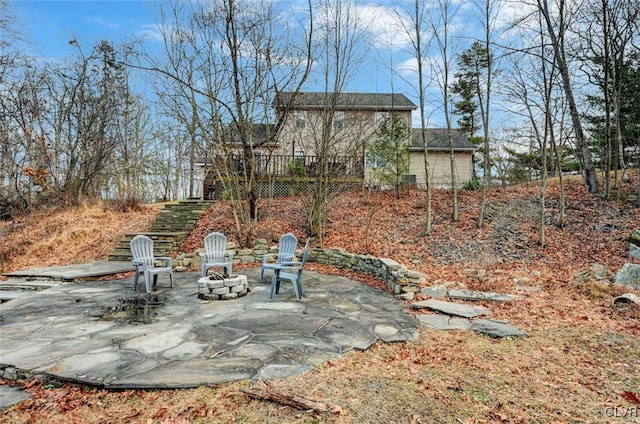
[629, 275]
[6, 295]
[465, 294]
[435, 291]
[444, 322]
[496, 329]
[451, 308]
[74, 272]
[10, 396]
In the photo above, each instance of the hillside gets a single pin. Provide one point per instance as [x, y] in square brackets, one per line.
[378, 224]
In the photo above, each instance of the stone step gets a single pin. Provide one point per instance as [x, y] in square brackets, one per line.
[170, 228]
[158, 236]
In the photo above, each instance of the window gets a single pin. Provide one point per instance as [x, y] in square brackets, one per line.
[381, 117]
[300, 118]
[338, 120]
[374, 161]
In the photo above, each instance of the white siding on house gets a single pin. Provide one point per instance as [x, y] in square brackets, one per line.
[440, 168]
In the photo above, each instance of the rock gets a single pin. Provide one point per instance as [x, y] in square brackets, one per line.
[180, 269]
[600, 272]
[634, 238]
[444, 322]
[405, 296]
[629, 275]
[521, 281]
[451, 308]
[634, 251]
[435, 291]
[528, 288]
[496, 329]
[466, 294]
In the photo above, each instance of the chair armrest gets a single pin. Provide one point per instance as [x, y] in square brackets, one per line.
[268, 255]
[166, 259]
[230, 256]
[291, 266]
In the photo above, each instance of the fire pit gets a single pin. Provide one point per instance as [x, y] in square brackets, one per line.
[231, 287]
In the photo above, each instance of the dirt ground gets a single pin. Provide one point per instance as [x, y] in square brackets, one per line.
[579, 363]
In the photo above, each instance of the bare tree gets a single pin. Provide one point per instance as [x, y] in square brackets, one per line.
[227, 61]
[441, 24]
[607, 33]
[415, 27]
[489, 12]
[338, 53]
[556, 26]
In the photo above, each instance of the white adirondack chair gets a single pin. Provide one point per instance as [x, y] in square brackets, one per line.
[215, 254]
[145, 262]
[286, 251]
[291, 271]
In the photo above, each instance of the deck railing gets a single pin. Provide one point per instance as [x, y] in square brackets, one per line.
[294, 166]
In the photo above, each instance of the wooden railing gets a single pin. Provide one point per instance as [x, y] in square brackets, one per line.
[294, 166]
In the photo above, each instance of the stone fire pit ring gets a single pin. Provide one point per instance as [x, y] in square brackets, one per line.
[229, 288]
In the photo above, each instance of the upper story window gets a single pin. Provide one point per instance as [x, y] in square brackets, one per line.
[300, 118]
[338, 120]
[381, 117]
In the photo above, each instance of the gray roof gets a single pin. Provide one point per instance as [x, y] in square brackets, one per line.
[259, 132]
[346, 101]
[437, 140]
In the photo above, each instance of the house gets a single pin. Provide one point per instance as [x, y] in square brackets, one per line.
[438, 153]
[332, 131]
[337, 127]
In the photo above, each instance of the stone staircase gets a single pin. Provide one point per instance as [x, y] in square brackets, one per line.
[168, 231]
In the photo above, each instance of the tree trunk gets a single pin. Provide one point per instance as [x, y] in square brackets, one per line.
[557, 41]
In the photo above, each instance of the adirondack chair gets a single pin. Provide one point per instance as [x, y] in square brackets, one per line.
[215, 254]
[145, 262]
[291, 271]
[286, 251]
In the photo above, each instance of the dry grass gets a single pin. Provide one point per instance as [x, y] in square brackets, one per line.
[579, 364]
[60, 237]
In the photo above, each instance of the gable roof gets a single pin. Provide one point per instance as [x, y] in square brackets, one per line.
[260, 133]
[437, 140]
[345, 101]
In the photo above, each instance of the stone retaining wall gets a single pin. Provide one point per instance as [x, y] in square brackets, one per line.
[399, 279]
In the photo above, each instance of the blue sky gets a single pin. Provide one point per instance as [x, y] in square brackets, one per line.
[51, 24]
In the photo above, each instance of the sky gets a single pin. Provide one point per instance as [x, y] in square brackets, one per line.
[49, 25]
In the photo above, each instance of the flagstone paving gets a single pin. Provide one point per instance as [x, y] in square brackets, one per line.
[105, 334]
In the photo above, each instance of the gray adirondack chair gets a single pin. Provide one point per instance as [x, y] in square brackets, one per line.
[145, 262]
[286, 251]
[215, 254]
[291, 271]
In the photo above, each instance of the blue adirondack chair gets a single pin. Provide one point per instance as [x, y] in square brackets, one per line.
[291, 271]
[286, 251]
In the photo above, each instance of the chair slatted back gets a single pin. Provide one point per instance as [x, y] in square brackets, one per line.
[287, 247]
[215, 246]
[142, 249]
